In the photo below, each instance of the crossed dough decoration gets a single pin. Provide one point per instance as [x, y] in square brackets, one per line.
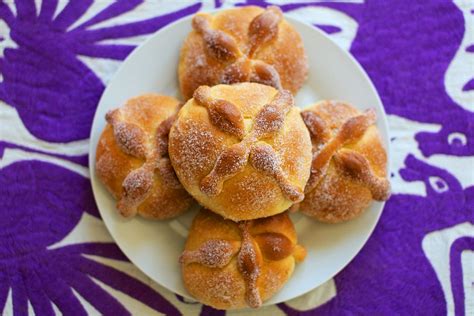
[269, 120]
[217, 253]
[241, 65]
[349, 161]
[134, 141]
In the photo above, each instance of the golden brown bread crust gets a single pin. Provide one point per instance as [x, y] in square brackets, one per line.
[132, 159]
[349, 162]
[241, 150]
[230, 265]
[242, 44]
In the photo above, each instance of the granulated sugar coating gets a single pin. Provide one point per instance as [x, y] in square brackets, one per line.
[264, 159]
[130, 138]
[196, 144]
[223, 114]
[132, 158]
[213, 254]
[138, 182]
[241, 45]
[248, 263]
[249, 267]
[349, 161]
[239, 147]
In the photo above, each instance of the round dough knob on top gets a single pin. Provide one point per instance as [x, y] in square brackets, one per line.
[241, 150]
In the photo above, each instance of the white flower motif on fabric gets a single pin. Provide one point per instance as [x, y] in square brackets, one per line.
[403, 143]
[436, 246]
[330, 17]
[461, 69]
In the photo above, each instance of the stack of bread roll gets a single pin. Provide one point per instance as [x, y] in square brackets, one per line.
[240, 148]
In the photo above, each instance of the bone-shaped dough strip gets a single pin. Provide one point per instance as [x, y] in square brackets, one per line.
[357, 166]
[223, 114]
[136, 188]
[230, 162]
[160, 155]
[214, 253]
[271, 117]
[353, 129]
[264, 28]
[219, 44]
[264, 159]
[248, 266]
[233, 159]
[129, 137]
[316, 126]
[266, 74]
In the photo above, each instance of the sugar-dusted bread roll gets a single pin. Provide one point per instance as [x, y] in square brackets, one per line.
[132, 158]
[230, 265]
[242, 44]
[241, 150]
[349, 162]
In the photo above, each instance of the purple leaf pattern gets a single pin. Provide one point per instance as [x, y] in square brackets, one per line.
[48, 211]
[53, 91]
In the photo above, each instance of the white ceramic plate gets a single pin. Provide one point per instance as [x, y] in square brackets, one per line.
[153, 246]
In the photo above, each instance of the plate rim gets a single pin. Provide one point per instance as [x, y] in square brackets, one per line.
[292, 20]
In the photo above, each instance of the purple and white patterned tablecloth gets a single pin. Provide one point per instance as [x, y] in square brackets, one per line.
[56, 256]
